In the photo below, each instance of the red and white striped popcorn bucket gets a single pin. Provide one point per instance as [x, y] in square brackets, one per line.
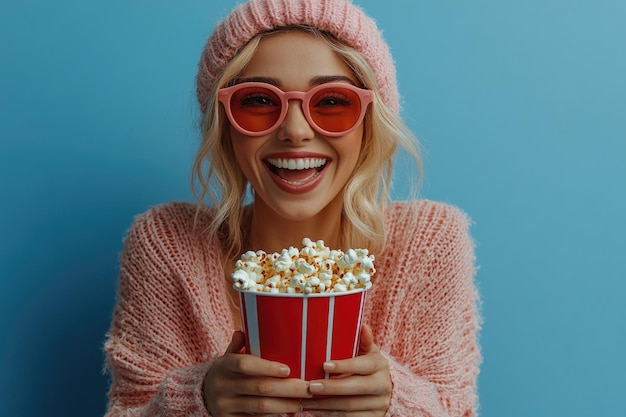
[302, 331]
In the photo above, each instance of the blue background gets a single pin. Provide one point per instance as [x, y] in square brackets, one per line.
[521, 109]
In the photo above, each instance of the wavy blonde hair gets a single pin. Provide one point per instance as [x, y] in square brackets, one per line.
[365, 194]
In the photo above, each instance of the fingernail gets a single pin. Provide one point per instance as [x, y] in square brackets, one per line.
[316, 387]
[308, 404]
[284, 370]
[329, 366]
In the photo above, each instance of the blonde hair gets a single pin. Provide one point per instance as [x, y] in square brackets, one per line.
[367, 191]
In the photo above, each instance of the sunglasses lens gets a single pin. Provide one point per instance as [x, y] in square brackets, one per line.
[335, 109]
[255, 108]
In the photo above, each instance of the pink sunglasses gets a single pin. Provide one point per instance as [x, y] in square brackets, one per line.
[332, 109]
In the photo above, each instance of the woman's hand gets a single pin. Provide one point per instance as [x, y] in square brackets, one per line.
[362, 386]
[239, 384]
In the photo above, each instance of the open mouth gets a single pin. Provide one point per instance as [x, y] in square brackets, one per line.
[296, 171]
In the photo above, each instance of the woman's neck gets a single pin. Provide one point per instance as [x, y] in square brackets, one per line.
[268, 231]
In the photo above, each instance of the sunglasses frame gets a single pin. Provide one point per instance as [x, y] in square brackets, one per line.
[224, 95]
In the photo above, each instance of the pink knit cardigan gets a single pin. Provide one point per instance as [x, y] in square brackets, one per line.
[173, 318]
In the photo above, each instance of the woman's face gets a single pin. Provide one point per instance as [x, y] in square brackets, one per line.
[296, 172]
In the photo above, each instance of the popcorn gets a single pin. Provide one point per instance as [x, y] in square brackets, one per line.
[313, 269]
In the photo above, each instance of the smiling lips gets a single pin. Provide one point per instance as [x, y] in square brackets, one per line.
[296, 175]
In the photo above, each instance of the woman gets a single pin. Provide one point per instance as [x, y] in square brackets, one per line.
[299, 104]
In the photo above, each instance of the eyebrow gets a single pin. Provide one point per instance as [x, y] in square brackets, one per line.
[315, 81]
[330, 79]
[267, 80]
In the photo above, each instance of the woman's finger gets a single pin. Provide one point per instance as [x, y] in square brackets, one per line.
[379, 384]
[272, 387]
[366, 339]
[261, 405]
[237, 342]
[254, 366]
[361, 365]
[357, 403]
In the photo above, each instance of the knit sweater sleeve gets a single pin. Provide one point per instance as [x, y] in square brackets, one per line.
[429, 334]
[158, 349]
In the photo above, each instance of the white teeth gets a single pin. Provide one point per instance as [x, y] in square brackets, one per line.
[297, 164]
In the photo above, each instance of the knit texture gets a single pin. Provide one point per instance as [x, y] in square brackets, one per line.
[341, 18]
[172, 318]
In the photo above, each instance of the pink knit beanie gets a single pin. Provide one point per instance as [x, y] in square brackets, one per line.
[346, 21]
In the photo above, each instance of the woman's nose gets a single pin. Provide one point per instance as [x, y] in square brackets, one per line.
[295, 127]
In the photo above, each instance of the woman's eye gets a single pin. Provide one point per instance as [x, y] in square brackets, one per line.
[333, 100]
[256, 100]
